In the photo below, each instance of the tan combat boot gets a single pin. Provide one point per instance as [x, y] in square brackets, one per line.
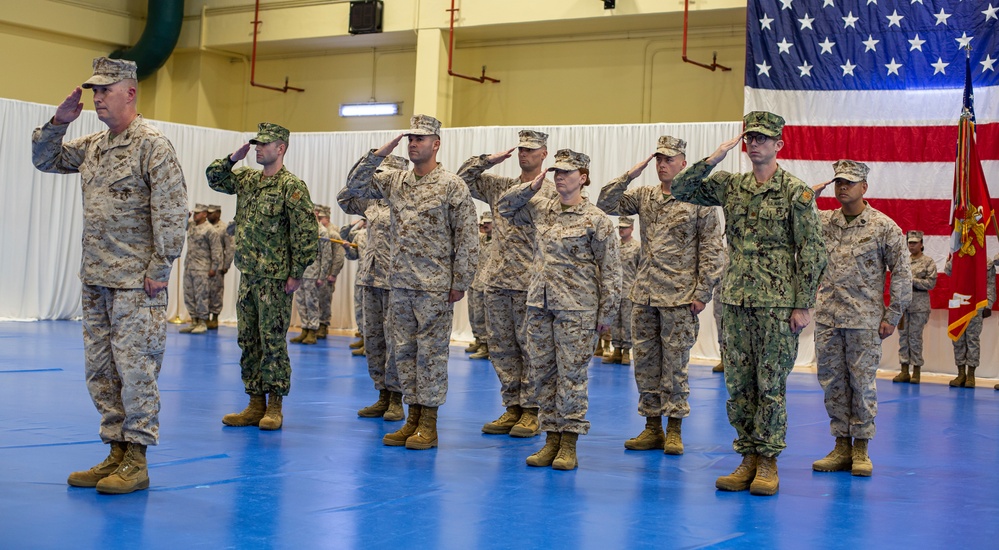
[378, 408]
[651, 438]
[89, 478]
[213, 322]
[914, 379]
[615, 356]
[742, 477]
[599, 352]
[358, 344]
[394, 412]
[766, 483]
[720, 367]
[674, 443]
[566, 458]
[969, 382]
[505, 422]
[190, 326]
[483, 352]
[547, 454]
[310, 337]
[359, 352]
[130, 476]
[250, 416]
[862, 465]
[838, 460]
[301, 336]
[902, 376]
[473, 347]
[528, 425]
[200, 327]
[961, 378]
[323, 331]
[398, 438]
[625, 356]
[426, 432]
[273, 418]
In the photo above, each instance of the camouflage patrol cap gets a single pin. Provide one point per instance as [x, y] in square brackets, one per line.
[487, 217]
[569, 160]
[850, 170]
[394, 162]
[763, 122]
[268, 132]
[322, 210]
[424, 125]
[531, 139]
[914, 236]
[626, 221]
[671, 146]
[200, 208]
[214, 207]
[108, 71]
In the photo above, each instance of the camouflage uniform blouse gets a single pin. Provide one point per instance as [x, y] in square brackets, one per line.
[204, 249]
[924, 278]
[374, 264]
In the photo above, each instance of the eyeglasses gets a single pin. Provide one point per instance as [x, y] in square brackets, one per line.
[758, 138]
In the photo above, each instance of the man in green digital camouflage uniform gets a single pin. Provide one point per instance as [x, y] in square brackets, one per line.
[776, 260]
[275, 241]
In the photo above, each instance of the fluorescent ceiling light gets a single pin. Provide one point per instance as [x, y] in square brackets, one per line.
[368, 109]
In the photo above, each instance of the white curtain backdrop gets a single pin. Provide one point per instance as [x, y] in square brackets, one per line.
[41, 213]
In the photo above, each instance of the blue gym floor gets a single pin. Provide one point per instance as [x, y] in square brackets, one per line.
[326, 481]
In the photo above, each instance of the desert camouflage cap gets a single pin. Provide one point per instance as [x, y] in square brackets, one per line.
[626, 221]
[394, 162]
[850, 170]
[268, 132]
[214, 207]
[567, 159]
[914, 236]
[671, 146]
[108, 71]
[531, 139]
[200, 207]
[424, 125]
[487, 217]
[763, 122]
[322, 210]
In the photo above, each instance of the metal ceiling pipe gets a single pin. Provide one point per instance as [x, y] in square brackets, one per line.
[164, 19]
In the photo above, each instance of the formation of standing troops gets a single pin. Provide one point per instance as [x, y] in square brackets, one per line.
[558, 277]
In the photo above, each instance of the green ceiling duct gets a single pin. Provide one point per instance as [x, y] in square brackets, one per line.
[164, 19]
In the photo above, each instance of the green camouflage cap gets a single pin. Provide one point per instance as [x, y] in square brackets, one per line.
[214, 207]
[569, 160]
[531, 139]
[850, 170]
[108, 71]
[762, 122]
[487, 217]
[914, 236]
[671, 146]
[424, 125]
[394, 162]
[268, 132]
[626, 221]
[200, 208]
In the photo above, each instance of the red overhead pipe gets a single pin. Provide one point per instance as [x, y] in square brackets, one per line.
[253, 58]
[450, 54]
[714, 55]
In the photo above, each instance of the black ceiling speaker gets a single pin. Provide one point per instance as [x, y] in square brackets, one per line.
[365, 16]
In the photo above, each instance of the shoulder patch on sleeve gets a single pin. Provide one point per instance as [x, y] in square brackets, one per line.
[805, 198]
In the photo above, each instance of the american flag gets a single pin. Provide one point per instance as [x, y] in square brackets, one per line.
[880, 81]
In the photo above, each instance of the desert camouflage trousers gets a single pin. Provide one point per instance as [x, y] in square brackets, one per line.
[968, 348]
[663, 338]
[507, 329]
[560, 345]
[847, 368]
[477, 313]
[216, 292]
[421, 333]
[309, 298]
[325, 304]
[910, 338]
[621, 325]
[358, 308]
[263, 311]
[378, 347]
[759, 353]
[124, 337]
[197, 293]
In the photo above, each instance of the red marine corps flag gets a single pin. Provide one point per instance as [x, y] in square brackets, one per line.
[971, 217]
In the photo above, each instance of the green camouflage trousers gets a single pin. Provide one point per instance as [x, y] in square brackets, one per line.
[263, 311]
[378, 347]
[663, 338]
[910, 338]
[968, 348]
[758, 354]
[421, 333]
[124, 337]
[507, 328]
[561, 344]
[847, 368]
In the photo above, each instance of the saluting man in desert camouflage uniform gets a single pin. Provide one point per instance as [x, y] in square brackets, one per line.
[217, 283]
[435, 247]
[680, 246]
[315, 278]
[477, 312]
[631, 253]
[851, 319]
[574, 290]
[356, 234]
[508, 263]
[130, 167]
[201, 268]
[776, 259]
[910, 328]
[275, 241]
[374, 255]
[326, 290]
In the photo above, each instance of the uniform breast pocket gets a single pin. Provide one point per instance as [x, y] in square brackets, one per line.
[868, 263]
[576, 243]
[126, 189]
[430, 211]
[771, 225]
[271, 206]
